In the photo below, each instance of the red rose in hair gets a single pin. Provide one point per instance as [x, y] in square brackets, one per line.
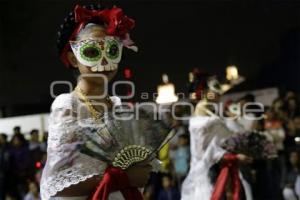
[118, 24]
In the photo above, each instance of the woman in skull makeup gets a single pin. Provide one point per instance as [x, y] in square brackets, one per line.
[90, 41]
[208, 132]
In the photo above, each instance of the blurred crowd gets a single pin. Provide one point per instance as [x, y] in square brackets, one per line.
[22, 159]
[21, 163]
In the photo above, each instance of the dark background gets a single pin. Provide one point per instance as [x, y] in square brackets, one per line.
[261, 37]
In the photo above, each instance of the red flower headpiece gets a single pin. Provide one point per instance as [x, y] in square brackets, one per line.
[117, 24]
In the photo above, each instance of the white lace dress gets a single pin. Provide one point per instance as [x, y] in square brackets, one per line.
[207, 135]
[66, 165]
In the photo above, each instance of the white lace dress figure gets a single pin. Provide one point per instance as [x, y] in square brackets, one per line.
[207, 134]
[66, 165]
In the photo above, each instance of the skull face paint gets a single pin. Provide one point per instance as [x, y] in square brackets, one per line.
[100, 54]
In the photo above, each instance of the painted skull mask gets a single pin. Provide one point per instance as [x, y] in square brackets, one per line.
[103, 54]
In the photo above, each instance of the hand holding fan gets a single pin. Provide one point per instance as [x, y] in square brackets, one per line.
[126, 138]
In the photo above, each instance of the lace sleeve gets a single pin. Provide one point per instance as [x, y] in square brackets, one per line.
[219, 133]
[65, 165]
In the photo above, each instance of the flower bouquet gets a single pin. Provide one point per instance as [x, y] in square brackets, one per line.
[252, 144]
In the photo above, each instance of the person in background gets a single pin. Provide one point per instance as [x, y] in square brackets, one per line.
[149, 192]
[207, 134]
[182, 158]
[278, 108]
[33, 193]
[297, 129]
[180, 125]
[34, 142]
[20, 160]
[4, 165]
[39, 168]
[35, 148]
[290, 176]
[290, 94]
[274, 131]
[273, 127]
[180, 129]
[291, 106]
[44, 143]
[169, 192]
[181, 113]
[293, 133]
[266, 174]
[17, 130]
[3, 139]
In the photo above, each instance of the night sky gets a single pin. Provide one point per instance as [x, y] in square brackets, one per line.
[262, 38]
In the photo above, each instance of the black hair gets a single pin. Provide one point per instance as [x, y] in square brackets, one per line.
[20, 137]
[4, 136]
[290, 151]
[69, 24]
[33, 131]
[17, 128]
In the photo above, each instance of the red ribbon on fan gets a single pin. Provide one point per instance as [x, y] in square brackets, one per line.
[229, 167]
[115, 179]
[117, 24]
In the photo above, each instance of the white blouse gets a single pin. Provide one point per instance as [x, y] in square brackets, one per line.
[66, 165]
